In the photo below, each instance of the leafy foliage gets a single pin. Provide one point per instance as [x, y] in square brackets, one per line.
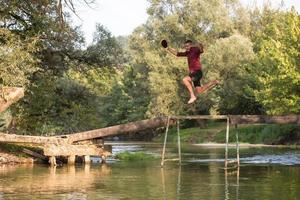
[255, 54]
[105, 50]
[17, 62]
[278, 64]
[228, 60]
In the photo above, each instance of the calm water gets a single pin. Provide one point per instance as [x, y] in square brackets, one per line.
[265, 173]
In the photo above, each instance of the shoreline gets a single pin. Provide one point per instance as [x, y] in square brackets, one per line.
[243, 145]
[206, 144]
[9, 158]
[12, 159]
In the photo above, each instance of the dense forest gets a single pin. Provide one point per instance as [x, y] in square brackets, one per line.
[254, 52]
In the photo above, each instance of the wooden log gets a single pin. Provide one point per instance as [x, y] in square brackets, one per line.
[67, 150]
[13, 138]
[9, 95]
[118, 129]
[264, 119]
[200, 117]
[143, 125]
[34, 154]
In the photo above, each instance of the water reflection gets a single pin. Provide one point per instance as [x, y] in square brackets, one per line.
[192, 180]
[231, 180]
[163, 181]
[29, 179]
[229, 173]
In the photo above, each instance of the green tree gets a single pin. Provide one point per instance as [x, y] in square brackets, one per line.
[17, 62]
[61, 105]
[176, 21]
[105, 50]
[278, 62]
[40, 19]
[229, 60]
[128, 99]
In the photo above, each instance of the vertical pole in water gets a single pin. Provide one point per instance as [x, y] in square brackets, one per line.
[237, 146]
[165, 142]
[178, 140]
[227, 139]
[52, 161]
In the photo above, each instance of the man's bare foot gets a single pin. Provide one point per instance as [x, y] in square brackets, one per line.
[192, 100]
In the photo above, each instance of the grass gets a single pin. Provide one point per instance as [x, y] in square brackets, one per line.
[254, 134]
[195, 134]
[264, 134]
[134, 156]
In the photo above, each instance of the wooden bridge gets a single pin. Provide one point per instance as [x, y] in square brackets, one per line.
[91, 143]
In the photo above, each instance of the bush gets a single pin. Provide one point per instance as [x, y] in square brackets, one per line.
[134, 156]
[263, 134]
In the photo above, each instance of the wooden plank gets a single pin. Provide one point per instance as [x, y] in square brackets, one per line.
[69, 150]
[9, 95]
[118, 129]
[264, 119]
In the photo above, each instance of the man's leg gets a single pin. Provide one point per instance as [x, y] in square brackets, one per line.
[187, 81]
[207, 86]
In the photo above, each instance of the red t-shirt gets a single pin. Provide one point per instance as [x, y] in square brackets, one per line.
[193, 56]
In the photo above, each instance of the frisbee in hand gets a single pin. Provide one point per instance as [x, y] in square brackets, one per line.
[164, 43]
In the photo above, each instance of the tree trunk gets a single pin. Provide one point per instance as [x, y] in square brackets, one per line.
[118, 129]
[9, 95]
[13, 138]
[264, 119]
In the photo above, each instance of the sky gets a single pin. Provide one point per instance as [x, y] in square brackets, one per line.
[121, 17]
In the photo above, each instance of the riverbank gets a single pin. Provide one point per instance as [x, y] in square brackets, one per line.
[9, 158]
[11, 154]
[214, 132]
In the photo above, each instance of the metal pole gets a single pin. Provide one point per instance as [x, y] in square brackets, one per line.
[165, 142]
[227, 139]
[178, 140]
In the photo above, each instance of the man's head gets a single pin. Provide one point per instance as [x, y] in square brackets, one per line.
[188, 44]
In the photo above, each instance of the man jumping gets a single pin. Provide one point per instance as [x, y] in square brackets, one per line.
[195, 70]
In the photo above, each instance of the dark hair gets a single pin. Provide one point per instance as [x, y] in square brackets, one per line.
[188, 41]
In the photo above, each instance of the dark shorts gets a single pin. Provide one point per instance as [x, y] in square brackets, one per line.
[196, 77]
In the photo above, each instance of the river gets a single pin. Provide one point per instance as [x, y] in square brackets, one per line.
[265, 173]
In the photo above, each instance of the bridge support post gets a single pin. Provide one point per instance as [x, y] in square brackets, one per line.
[52, 161]
[71, 159]
[103, 159]
[87, 159]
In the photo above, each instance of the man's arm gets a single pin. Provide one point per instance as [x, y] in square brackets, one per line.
[176, 53]
[200, 46]
[172, 51]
